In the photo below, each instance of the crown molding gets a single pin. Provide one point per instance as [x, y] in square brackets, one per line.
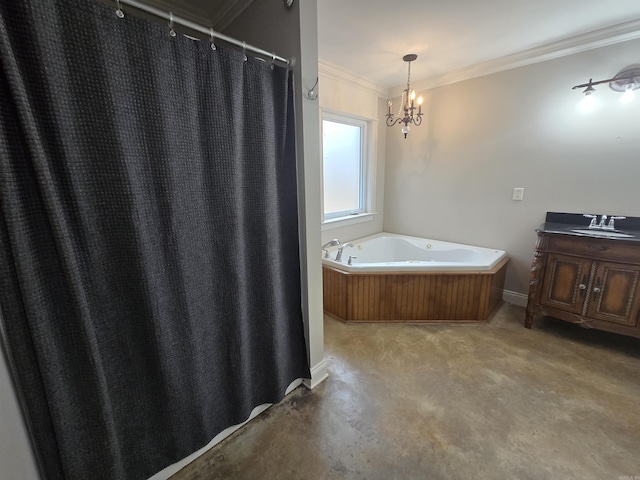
[334, 72]
[603, 37]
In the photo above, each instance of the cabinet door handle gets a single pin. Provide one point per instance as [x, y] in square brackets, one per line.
[583, 285]
[596, 289]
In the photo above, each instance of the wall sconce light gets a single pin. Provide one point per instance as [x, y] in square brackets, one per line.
[405, 114]
[626, 81]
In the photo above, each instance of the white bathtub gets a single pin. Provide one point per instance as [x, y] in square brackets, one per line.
[399, 253]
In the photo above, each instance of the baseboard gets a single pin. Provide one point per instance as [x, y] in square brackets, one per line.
[515, 298]
[318, 375]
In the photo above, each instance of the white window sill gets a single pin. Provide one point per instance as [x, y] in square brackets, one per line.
[347, 220]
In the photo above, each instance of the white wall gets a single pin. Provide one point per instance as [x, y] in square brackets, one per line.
[17, 461]
[343, 93]
[452, 179]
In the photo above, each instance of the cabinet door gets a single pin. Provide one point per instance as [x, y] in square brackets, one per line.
[565, 282]
[615, 294]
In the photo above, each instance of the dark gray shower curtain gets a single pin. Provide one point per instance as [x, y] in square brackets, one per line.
[149, 267]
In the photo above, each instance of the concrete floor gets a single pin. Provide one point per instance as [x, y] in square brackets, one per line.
[493, 401]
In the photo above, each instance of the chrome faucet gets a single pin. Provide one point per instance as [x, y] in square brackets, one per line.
[593, 218]
[331, 243]
[340, 249]
[611, 225]
[603, 225]
[603, 222]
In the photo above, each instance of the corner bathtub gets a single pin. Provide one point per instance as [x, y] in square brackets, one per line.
[397, 278]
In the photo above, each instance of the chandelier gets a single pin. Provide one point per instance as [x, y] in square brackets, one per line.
[405, 114]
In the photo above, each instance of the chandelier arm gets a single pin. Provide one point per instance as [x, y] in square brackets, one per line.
[600, 82]
[418, 119]
[391, 121]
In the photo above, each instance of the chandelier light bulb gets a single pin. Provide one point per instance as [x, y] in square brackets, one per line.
[628, 95]
[420, 100]
[413, 94]
[588, 102]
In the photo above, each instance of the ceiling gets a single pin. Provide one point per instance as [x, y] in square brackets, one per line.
[368, 38]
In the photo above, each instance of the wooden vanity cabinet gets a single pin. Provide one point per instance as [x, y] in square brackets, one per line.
[565, 283]
[591, 281]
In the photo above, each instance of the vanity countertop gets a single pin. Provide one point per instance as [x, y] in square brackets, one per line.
[565, 229]
[567, 223]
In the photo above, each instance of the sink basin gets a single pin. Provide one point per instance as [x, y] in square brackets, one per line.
[602, 233]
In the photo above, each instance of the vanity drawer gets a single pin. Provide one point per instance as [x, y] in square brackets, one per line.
[602, 248]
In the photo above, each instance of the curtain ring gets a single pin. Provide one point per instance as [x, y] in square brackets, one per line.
[172, 32]
[213, 45]
[273, 60]
[244, 50]
[119, 12]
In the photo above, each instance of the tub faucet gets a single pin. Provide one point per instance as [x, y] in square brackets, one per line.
[340, 249]
[331, 243]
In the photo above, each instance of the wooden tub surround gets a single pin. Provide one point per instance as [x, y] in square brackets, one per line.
[453, 296]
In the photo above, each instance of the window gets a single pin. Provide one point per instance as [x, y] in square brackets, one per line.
[344, 162]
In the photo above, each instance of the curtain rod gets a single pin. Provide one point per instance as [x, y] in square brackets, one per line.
[207, 31]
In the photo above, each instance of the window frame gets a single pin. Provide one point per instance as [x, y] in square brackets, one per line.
[366, 168]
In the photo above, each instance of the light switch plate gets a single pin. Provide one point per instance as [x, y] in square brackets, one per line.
[518, 193]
